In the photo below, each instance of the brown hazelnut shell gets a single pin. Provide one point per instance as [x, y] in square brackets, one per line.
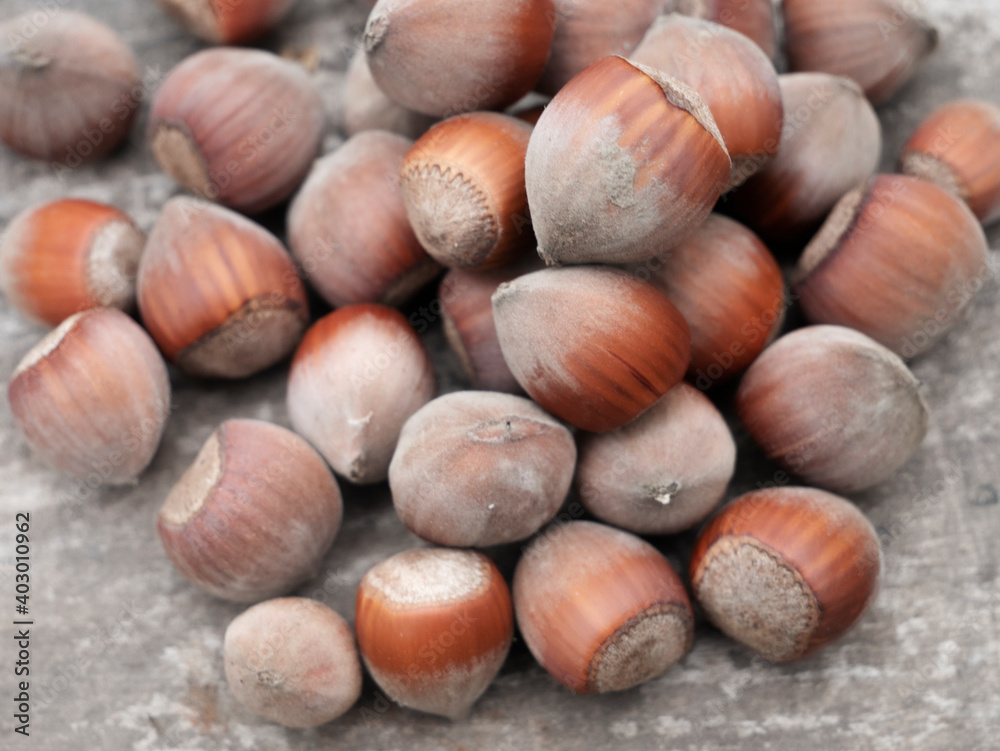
[833, 407]
[463, 186]
[70, 255]
[356, 378]
[434, 626]
[237, 126]
[593, 346]
[786, 571]
[662, 473]
[444, 57]
[878, 43]
[957, 147]
[899, 259]
[347, 226]
[254, 515]
[93, 397]
[475, 468]
[733, 77]
[366, 106]
[293, 661]
[70, 91]
[599, 608]
[226, 21]
[218, 293]
[753, 18]
[623, 163]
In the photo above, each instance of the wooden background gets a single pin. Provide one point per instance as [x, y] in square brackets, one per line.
[127, 655]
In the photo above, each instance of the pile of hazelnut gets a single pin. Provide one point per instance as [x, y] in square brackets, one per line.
[581, 362]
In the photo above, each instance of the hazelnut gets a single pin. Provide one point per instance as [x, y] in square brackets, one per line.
[594, 346]
[93, 397]
[463, 185]
[899, 259]
[434, 627]
[366, 107]
[786, 571]
[474, 468]
[237, 126]
[957, 147]
[833, 407]
[848, 38]
[467, 317]
[254, 515]
[219, 293]
[587, 30]
[226, 21]
[729, 289]
[356, 378]
[348, 230]
[623, 163]
[831, 142]
[600, 609]
[66, 89]
[753, 18]
[70, 255]
[733, 77]
[293, 661]
[444, 57]
[662, 473]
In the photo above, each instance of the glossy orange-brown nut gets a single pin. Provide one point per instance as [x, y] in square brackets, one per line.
[833, 407]
[662, 473]
[356, 378]
[237, 126]
[600, 609]
[69, 87]
[587, 30]
[366, 106]
[786, 571]
[730, 290]
[476, 468]
[467, 318]
[348, 230]
[67, 256]
[444, 57]
[293, 661]
[463, 185]
[623, 163]
[434, 626]
[731, 74]
[218, 293]
[899, 259]
[832, 141]
[752, 18]
[957, 147]
[594, 346]
[226, 21]
[93, 397]
[878, 43]
[254, 515]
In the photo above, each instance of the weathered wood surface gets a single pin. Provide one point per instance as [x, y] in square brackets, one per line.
[127, 655]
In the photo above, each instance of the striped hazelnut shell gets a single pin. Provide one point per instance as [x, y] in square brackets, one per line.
[623, 163]
[599, 608]
[218, 293]
[957, 147]
[899, 259]
[237, 126]
[93, 397]
[786, 571]
[70, 255]
[753, 18]
[593, 346]
[834, 407]
[463, 186]
[434, 626]
[347, 226]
